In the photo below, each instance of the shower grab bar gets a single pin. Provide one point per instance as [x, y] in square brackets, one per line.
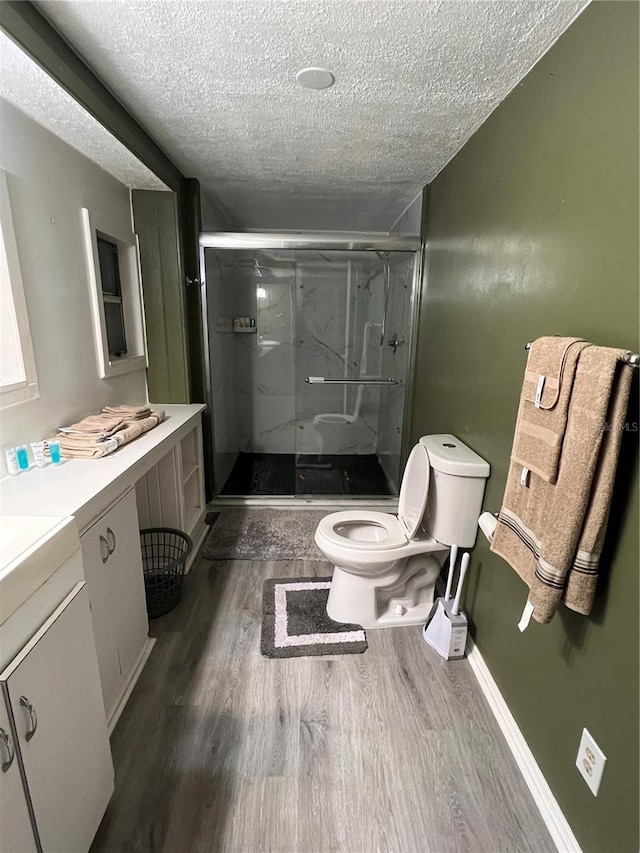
[325, 380]
[632, 358]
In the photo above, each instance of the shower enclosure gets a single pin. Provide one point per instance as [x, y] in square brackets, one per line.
[310, 347]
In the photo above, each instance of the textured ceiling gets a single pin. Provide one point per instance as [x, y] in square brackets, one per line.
[214, 83]
[31, 90]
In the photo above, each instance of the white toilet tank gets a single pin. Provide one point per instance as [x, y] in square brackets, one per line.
[456, 488]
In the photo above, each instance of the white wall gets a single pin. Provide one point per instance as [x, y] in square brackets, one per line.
[49, 183]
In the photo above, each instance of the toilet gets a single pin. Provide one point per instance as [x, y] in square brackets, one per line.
[386, 566]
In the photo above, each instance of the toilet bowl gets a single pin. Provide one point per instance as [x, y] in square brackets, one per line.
[386, 566]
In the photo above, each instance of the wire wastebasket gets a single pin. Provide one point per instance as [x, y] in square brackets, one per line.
[164, 554]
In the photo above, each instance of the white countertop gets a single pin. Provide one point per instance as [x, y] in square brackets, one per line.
[83, 487]
[31, 550]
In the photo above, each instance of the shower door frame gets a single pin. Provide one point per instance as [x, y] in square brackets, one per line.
[322, 240]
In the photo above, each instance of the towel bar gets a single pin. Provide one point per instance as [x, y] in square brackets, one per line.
[632, 358]
[325, 380]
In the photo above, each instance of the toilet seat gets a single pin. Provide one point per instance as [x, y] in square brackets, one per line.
[362, 530]
[380, 531]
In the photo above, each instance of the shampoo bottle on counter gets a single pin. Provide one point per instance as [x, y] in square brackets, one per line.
[37, 448]
[12, 461]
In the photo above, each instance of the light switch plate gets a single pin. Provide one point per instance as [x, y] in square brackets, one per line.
[590, 761]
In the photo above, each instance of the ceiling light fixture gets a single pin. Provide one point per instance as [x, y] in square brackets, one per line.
[315, 78]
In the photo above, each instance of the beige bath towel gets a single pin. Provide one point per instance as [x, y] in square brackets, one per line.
[85, 441]
[128, 412]
[552, 534]
[544, 404]
[88, 446]
[581, 582]
[83, 447]
[96, 451]
[97, 426]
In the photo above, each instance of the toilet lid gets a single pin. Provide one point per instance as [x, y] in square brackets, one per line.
[414, 490]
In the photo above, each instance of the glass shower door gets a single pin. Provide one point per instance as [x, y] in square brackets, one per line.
[351, 338]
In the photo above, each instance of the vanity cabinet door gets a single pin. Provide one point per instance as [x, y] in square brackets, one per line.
[124, 568]
[113, 570]
[102, 599]
[52, 689]
[15, 824]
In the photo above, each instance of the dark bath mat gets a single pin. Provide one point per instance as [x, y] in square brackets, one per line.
[247, 533]
[295, 621]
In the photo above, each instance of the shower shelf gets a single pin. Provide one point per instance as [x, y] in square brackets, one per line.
[249, 331]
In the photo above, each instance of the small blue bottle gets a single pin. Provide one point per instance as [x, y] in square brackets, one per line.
[54, 452]
[22, 457]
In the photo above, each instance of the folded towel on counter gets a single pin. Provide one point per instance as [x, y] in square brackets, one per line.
[98, 426]
[544, 404]
[552, 533]
[129, 412]
[93, 446]
[85, 441]
[87, 450]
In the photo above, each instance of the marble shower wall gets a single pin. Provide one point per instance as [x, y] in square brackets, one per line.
[265, 366]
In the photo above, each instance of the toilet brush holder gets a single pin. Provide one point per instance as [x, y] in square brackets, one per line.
[446, 632]
[446, 628]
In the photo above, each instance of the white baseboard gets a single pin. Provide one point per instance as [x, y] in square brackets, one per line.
[551, 813]
[134, 675]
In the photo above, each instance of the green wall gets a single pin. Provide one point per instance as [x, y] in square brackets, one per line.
[532, 229]
[156, 224]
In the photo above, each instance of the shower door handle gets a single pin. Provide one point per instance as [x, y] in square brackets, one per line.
[325, 380]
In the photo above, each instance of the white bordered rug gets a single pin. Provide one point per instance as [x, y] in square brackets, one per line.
[295, 621]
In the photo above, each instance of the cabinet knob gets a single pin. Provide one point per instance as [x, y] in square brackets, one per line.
[104, 547]
[6, 740]
[33, 718]
[112, 537]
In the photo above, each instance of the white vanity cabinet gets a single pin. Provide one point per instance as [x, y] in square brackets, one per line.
[113, 570]
[73, 629]
[15, 825]
[52, 694]
[171, 494]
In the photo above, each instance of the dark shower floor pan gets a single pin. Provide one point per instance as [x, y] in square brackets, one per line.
[285, 474]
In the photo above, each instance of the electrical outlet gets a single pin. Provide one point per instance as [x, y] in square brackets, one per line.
[590, 761]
